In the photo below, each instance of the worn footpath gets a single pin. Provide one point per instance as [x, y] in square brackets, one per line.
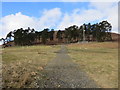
[63, 73]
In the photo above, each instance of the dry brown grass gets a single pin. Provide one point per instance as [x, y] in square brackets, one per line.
[22, 66]
[99, 60]
[96, 45]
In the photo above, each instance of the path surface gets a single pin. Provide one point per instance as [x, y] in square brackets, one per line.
[63, 73]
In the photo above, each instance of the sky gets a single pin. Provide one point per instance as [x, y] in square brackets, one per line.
[55, 15]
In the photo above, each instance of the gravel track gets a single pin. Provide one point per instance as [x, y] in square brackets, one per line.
[63, 73]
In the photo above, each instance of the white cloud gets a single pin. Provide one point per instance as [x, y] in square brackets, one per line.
[66, 21]
[11, 22]
[54, 18]
[50, 18]
[97, 12]
[110, 12]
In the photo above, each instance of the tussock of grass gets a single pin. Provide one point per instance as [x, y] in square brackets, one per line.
[99, 60]
[22, 66]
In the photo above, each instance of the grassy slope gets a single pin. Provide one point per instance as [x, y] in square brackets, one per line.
[22, 65]
[99, 60]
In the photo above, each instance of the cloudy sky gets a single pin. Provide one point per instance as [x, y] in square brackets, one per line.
[56, 15]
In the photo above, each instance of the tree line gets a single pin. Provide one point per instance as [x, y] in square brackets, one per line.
[98, 32]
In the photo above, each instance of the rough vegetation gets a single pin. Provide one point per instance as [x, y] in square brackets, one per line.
[99, 60]
[22, 66]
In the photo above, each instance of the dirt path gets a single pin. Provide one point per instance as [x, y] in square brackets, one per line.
[63, 73]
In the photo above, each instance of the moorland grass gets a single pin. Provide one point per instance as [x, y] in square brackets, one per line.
[22, 66]
[99, 60]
